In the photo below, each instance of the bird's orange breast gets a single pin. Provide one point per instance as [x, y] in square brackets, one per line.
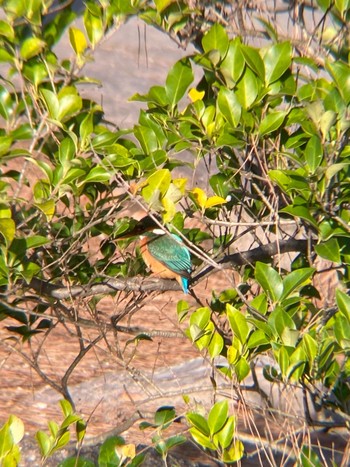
[156, 266]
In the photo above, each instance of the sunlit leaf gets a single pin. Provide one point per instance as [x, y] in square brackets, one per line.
[195, 95]
[77, 40]
[215, 39]
[313, 153]
[277, 60]
[270, 280]
[31, 47]
[7, 230]
[271, 122]
[178, 80]
[217, 416]
[247, 89]
[229, 106]
[233, 64]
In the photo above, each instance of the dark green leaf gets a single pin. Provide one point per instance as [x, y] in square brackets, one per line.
[233, 64]
[254, 61]
[277, 60]
[178, 80]
[329, 250]
[229, 106]
[295, 279]
[313, 153]
[270, 280]
[272, 122]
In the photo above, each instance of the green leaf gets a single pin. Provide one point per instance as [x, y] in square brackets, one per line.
[93, 24]
[47, 207]
[341, 74]
[164, 415]
[76, 462]
[107, 455]
[242, 369]
[178, 80]
[254, 61]
[257, 338]
[233, 64]
[215, 39]
[147, 138]
[66, 150]
[329, 250]
[271, 122]
[201, 317]
[158, 182]
[52, 103]
[44, 442]
[313, 153]
[6, 30]
[161, 5]
[283, 360]
[238, 323]
[277, 60]
[6, 103]
[310, 347]
[69, 102]
[16, 428]
[247, 89]
[308, 458]
[270, 280]
[216, 345]
[5, 144]
[201, 439]
[8, 230]
[31, 47]
[66, 408]
[282, 323]
[327, 120]
[301, 211]
[97, 174]
[199, 422]
[217, 416]
[229, 106]
[175, 440]
[235, 453]
[343, 302]
[295, 279]
[225, 435]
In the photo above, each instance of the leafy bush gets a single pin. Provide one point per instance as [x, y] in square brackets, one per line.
[267, 125]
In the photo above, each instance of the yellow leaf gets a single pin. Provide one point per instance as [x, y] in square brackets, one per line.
[127, 451]
[195, 95]
[77, 40]
[200, 197]
[8, 230]
[214, 201]
[169, 210]
[47, 207]
[180, 183]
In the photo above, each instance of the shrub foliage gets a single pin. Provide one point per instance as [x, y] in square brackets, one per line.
[263, 133]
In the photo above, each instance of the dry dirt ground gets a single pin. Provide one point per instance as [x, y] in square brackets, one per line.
[106, 393]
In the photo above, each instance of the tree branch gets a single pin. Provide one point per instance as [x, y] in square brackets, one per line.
[149, 284]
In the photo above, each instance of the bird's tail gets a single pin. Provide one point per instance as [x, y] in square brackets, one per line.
[184, 284]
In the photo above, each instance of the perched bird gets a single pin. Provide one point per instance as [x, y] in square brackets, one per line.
[165, 254]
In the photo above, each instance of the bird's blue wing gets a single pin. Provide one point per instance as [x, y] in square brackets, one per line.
[171, 251]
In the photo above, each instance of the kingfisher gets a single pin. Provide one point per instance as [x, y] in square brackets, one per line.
[164, 253]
